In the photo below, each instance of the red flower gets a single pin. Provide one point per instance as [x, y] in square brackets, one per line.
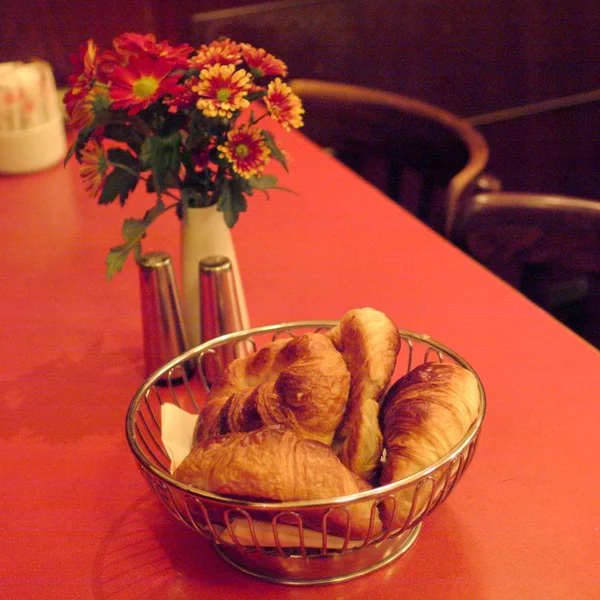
[186, 97]
[143, 81]
[85, 65]
[109, 59]
[136, 44]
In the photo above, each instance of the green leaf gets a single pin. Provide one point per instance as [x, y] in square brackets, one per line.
[70, 153]
[111, 189]
[118, 256]
[161, 156]
[152, 214]
[263, 183]
[267, 182]
[124, 133]
[254, 96]
[121, 156]
[133, 231]
[80, 141]
[238, 187]
[194, 197]
[231, 202]
[118, 183]
[276, 153]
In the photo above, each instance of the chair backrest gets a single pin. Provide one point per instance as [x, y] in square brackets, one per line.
[547, 246]
[422, 156]
[502, 229]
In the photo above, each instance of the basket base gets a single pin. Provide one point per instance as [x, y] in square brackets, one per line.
[318, 570]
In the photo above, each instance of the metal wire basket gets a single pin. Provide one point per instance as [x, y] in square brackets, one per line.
[280, 542]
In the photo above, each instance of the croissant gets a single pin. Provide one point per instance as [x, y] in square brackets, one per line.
[300, 382]
[274, 464]
[425, 414]
[369, 342]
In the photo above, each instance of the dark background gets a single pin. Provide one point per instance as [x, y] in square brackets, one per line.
[471, 57]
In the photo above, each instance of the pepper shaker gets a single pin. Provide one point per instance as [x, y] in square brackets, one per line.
[219, 310]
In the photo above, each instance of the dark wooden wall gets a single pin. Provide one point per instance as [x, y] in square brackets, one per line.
[472, 57]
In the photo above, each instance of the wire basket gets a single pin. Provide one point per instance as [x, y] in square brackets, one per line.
[289, 542]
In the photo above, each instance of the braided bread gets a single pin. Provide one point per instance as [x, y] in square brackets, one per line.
[369, 342]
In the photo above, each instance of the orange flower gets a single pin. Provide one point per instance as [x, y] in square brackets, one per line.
[283, 105]
[220, 52]
[261, 63]
[143, 81]
[94, 166]
[85, 111]
[246, 150]
[222, 90]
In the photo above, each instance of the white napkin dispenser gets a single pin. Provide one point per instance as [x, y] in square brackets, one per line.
[32, 126]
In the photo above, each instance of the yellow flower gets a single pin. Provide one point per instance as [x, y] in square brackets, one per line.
[283, 105]
[222, 90]
[94, 166]
[222, 52]
[261, 63]
[246, 150]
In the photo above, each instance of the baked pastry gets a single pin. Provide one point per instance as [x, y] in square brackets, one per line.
[369, 342]
[424, 415]
[300, 382]
[274, 464]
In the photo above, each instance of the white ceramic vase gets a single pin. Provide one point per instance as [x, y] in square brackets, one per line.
[204, 233]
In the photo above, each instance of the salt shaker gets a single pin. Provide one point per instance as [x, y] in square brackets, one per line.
[162, 322]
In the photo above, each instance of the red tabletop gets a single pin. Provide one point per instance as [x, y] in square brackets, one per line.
[78, 520]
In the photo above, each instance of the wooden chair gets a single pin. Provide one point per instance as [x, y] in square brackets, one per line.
[547, 246]
[422, 156]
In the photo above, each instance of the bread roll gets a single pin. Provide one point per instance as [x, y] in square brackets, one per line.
[425, 414]
[300, 382]
[274, 464]
[369, 342]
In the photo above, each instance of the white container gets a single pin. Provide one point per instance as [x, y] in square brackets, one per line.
[32, 128]
[203, 234]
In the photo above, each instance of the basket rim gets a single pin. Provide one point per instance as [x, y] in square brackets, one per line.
[375, 493]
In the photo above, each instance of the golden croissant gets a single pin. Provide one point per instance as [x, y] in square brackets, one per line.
[274, 464]
[424, 415]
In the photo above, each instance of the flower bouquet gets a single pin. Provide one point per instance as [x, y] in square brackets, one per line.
[180, 120]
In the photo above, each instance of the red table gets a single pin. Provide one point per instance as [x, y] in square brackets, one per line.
[78, 520]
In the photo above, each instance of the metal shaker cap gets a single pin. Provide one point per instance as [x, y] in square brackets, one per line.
[162, 321]
[219, 306]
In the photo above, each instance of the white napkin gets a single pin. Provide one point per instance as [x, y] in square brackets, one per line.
[177, 432]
